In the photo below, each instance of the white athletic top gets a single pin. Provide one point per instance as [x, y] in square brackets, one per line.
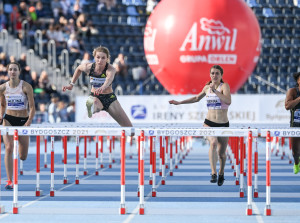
[213, 102]
[15, 97]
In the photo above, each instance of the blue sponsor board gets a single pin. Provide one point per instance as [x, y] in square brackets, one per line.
[138, 111]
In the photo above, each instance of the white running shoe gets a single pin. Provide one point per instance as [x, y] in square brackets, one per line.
[90, 106]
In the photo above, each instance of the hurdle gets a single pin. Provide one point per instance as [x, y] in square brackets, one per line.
[268, 133]
[2, 131]
[71, 131]
[162, 132]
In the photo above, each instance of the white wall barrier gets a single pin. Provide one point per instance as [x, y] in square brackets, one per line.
[156, 109]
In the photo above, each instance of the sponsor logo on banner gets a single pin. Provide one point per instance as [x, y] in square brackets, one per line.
[291, 133]
[138, 111]
[277, 133]
[219, 38]
[24, 131]
[151, 132]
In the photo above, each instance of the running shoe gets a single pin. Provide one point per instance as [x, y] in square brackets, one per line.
[296, 168]
[9, 185]
[214, 178]
[221, 180]
[90, 106]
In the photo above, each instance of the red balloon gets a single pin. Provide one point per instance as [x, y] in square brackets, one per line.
[184, 39]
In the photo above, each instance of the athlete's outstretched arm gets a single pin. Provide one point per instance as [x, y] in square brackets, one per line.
[192, 99]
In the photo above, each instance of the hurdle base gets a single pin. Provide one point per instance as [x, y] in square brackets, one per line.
[255, 194]
[268, 210]
[171, 173]
[96, 172]
[130, 157]
[122, 210]
[167, 167]
[237, 182]
[109, 166]
[38, 193]
[244, 174]
[65, 181]
[163, 182]
[290, 162]
[21, 172]
[180, 161]
[45, 166]
[138, 193]
[76, 181]
[249, 211]
[150, 182]
[2, 209]
[101, 166]
[114, 161]
[153, 193]
[176, 166]
[51, 193]
[241, 193]
[85, 173]
[15, 210]
[142, 209]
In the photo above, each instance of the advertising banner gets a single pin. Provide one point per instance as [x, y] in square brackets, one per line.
[156, 109]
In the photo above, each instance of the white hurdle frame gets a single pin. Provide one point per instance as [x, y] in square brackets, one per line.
[203, 131]
[49, 130]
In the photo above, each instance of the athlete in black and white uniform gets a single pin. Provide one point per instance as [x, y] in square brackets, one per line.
[292, 103]
[101, 74]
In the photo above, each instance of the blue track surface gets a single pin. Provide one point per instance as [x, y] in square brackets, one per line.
[188, 196]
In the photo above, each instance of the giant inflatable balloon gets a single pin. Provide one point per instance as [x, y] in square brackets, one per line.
[184, 39]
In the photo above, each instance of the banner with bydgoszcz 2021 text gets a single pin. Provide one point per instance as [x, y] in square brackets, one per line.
[156, 109]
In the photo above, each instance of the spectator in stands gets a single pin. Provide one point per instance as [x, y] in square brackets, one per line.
[59, 37]
[74, 47]
[139, 73]
[52, 109]
[40, 11]
[150, 6]
[3, 74]
[66, 7]
[3, 21]
[121, 67]
[292, 103]
[71, 111]
[62, 114]
[41, 116]
[85, 60]
[110, 4]
[100, 5]
[82, 26]
[56, 8]
[50, 32]
[12, 59]
[3, 58]
[218, 99]
[15, 113]
[34, 79]
[101, 75]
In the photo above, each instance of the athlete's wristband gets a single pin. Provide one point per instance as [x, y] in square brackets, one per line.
[72, 83]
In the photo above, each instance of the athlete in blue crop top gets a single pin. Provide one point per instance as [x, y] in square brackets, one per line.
[101, 75]
[218, 98]
[16, 99]
[292, 103]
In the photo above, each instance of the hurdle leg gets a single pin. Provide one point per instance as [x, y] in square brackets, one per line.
[45, 152]
[97, 155]
[15, 171]
[151, 161]
[85, 172]
[171, 157]
[101, 152]
[65, 181]
[123, 159]
[52, 168]
[163, 166]
[255, 195]
[176, 153]
[268, 175]
[154, 169]
[37, 189]
[141, 157]
[77, 161]
[2, 209]
[249, 181]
